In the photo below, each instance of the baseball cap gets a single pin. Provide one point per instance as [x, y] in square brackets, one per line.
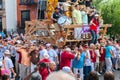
[1, 64]
[48, 45]
[7, 52]
[68, 49]
[45, 55]
[66, 69]
[96, 15]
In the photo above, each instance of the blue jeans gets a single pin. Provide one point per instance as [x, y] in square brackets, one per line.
[87, 70]
[94, 37]
[114, 61]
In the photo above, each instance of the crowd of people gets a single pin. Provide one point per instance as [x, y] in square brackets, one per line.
[36, 60]
[82, 14]
[26, 59]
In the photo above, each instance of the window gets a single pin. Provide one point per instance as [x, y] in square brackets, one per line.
[0, 24]
[26, 1]
[0, 4]
[22, 1]
[25, 16]
[41, 9]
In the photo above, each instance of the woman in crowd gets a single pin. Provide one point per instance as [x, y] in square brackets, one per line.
[78, 63]
[94, 24]
[93, 56]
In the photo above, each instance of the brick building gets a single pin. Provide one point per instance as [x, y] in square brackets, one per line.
[26, 11]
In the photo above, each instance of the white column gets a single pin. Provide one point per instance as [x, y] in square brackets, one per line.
[11, 15]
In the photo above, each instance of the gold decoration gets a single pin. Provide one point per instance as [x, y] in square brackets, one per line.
[51, 4]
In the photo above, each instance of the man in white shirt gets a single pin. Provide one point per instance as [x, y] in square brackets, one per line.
[8, 65]
[52, 53]
[87, 63]
[42, 51]
[1, 52]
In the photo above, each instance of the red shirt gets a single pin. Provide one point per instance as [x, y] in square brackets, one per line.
[44, 73]
[66, 59]
[93, 55]
[94, 27]
[102, 54]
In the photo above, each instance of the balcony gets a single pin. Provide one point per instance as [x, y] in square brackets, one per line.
[28, 2]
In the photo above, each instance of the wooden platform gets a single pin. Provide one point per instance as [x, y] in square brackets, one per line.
[46, 31]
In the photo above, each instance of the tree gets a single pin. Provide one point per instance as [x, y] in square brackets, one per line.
[110, 10]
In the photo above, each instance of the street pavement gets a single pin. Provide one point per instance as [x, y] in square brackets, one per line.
[116, 73]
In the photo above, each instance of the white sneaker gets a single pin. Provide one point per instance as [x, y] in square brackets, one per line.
[98, 74]
[113, 70]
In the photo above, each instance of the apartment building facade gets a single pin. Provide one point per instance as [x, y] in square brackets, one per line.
[2, 15]
[26, 11]
[8, 18]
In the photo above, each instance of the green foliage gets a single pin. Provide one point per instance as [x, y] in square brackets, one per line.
[110, 10]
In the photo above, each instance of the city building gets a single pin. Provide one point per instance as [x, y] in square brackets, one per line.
[2, 15]
[11, 15]
[8, 19]
[28, 10]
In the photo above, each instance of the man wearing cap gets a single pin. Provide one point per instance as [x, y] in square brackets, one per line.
[8, 63]
[56, 15]
[66, 58]
[42, 51]
[52, 54]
